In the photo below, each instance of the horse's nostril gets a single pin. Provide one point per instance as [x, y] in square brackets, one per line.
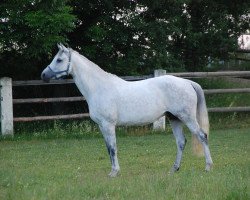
[43, 76]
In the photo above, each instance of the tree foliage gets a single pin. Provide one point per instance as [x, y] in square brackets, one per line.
[29, 30]
[124, 37]
[132, 37]
[33, 26]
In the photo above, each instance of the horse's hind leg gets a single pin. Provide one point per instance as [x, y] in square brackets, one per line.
[202, 137]
[180, 142]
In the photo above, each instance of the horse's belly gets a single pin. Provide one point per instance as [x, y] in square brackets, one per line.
[137, 120]
[140, 112]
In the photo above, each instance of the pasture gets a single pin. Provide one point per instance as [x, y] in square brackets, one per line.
[59, 166]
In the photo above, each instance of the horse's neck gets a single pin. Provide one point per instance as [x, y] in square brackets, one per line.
[88, 77]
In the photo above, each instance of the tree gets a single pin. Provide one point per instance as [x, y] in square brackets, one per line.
[123, 37]
[103, 36]
[210, 29]
[133, 37]
[182, 34]
[29, 30]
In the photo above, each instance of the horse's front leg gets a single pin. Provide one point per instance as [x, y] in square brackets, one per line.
[108, 132]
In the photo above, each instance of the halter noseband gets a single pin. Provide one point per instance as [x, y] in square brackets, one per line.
[55, 73]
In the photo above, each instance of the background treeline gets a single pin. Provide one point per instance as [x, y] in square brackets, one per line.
[125, 37]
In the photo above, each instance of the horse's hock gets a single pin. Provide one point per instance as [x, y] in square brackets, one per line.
[6, 108]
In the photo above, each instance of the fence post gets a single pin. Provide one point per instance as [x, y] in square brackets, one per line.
[6, 108]
[160, 123]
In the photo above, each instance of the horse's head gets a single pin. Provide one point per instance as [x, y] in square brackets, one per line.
[60, 65]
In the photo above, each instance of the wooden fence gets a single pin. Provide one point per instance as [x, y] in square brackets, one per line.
[7, 101]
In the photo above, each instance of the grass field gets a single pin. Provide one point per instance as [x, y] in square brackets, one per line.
[76, 167]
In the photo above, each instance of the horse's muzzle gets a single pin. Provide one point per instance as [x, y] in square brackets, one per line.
[46, 75]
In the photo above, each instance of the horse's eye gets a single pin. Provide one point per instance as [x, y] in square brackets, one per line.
[59, 60]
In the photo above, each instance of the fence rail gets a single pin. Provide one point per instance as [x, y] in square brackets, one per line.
[137, 78]
[48, 100]
[53, 117]
[86, 115]
[229, 109]
[73, 99]
[7, 102]
[224, 91]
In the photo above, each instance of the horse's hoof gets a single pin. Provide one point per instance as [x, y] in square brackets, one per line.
[113, 173]
[173, 170]
[208, 167]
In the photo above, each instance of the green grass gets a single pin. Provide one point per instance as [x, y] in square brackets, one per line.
[75, 167]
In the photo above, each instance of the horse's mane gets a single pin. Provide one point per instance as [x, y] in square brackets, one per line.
[95, 66]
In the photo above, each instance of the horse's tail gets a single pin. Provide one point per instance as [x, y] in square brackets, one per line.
[202, 118]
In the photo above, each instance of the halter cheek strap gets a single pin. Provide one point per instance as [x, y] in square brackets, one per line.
[55, 74]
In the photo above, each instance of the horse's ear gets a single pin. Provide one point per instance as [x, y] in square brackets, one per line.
[65, 49]
[62, 48]
[59, 45]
